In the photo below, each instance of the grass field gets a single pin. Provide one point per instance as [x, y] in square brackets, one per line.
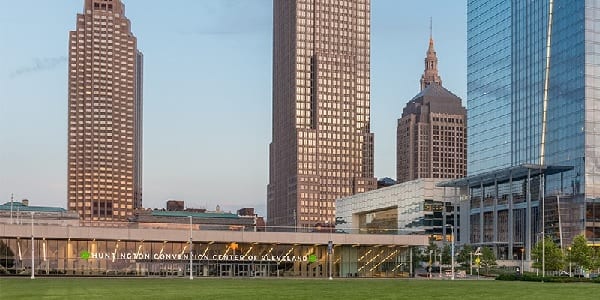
[258, 288]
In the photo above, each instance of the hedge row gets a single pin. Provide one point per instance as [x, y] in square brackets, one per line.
[526, 277]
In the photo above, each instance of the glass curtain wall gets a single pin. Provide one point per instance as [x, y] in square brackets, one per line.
[156, 258]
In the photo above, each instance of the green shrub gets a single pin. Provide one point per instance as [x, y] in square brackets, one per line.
[534, 278]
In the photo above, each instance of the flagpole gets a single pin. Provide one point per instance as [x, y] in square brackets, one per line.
[32, 250]
[11, 207]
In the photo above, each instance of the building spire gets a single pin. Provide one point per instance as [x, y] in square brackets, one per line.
[430, 75]
[430, 36]
[430, 28]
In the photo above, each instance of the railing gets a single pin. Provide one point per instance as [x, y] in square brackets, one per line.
[219, 227]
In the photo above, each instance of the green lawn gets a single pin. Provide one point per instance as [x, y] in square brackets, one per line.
[258, 288]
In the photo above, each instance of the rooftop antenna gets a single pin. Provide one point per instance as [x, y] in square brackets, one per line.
[430, 27]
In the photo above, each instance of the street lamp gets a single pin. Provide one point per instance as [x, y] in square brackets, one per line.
[522, 260]
[440, 265]
[329, 250]
[452, 252]
[430, 264]
[32, 250]
[191, 226]
[471, 262]
[569, 261]
[543, 192]
[543, 237]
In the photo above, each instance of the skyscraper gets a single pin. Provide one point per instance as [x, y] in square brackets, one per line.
[322, 146]
[533, 125]
[105, 114]
[431, 139]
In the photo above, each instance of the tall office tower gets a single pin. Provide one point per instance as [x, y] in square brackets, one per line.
[534, 123]
[322, 146]
[431, 139]
[105, 114]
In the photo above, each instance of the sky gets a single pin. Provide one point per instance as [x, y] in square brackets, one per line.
[207, 93]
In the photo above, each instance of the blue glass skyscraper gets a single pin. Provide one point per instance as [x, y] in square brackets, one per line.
[533, 99]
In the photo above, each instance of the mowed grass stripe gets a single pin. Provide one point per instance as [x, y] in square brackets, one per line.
[282, 288]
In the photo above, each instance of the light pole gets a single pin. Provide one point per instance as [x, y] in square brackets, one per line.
[522, 260]
[440, 265]
[471, 262]
[330, 255]
[430, 264]
[11, 208]
[569, 261]
[191, 269]
[295, 222]
[32, 250]
[329, 250]
[452, 248]
[542, 178]
[541, 235]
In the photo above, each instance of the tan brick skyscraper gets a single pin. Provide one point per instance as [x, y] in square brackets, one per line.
[105, 114]
[322, 147]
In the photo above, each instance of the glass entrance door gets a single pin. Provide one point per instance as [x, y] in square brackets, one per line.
[243, 270]
[226, 270]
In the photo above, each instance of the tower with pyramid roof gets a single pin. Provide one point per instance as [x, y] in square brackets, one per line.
[431, 139]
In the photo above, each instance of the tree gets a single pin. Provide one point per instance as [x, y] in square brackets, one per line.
[432, 249]
[417, 258]
[581, 253]
[595, 263]
[553, 257]
[488, 258]
[464, 256]
[446, 255]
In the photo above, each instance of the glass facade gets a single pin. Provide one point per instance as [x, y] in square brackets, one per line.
[92, 257]
[488, 85]
[381, 221]
[509, 79]
[566, 138]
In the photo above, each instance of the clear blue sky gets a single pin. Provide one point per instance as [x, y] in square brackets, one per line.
[207, 92]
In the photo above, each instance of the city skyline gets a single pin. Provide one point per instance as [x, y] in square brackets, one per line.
[182, 158]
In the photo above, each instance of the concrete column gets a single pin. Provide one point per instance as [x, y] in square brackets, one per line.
[495, 217]
[70, 258]
[297, 265]
[481, 224]
[93, 263]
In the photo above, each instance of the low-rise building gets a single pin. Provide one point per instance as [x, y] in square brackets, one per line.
[412, 207]
[20, 212]
[158, 242]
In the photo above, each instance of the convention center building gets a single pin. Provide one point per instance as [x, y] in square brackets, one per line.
[162, 243]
